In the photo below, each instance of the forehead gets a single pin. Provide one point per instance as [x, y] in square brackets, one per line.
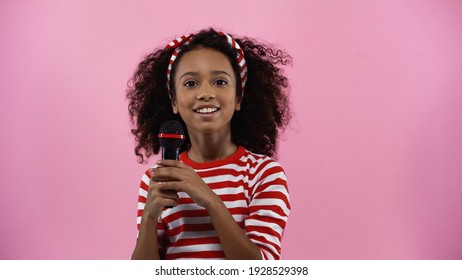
[204, 59]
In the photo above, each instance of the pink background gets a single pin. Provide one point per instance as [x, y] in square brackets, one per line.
[373, 156]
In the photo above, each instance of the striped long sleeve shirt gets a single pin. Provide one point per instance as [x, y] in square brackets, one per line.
[254, 189]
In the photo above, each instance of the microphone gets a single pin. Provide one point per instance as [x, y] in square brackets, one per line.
[171, 138]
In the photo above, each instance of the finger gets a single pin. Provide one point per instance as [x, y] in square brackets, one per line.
[171, 198]
[160, 197]
[170, 163]
[169, 194]
[152, 170]
[169, 186]
[159, 185]
[158, 176]
[166, 174]
[167, 202]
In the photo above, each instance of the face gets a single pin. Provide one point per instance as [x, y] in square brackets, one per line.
[205, 88]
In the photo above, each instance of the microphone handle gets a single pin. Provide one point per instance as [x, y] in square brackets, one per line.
[170, 153]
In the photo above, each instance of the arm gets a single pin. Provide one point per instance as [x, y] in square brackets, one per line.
[269, 209]
[180, 177]
[235, 242]
[147, 244]
[150, 205]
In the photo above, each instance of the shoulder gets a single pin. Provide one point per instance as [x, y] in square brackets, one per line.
[256, 158]
[262, 166]
[268, 182]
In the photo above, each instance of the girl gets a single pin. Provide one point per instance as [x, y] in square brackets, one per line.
[229, 198]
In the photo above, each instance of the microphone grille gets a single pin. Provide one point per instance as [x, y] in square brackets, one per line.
[171, 127]
[171, 134]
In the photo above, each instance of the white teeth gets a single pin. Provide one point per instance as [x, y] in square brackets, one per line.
[207, 110]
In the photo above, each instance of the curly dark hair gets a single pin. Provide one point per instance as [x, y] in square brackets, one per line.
[265, 109]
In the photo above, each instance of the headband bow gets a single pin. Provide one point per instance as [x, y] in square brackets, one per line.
[186, 39]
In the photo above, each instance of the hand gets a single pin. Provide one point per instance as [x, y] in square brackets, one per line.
[173, 175]
[158, 198]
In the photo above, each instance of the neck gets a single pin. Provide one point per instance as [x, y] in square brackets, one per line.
[210, 147]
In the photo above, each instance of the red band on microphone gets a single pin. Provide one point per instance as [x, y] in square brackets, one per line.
[167, 135]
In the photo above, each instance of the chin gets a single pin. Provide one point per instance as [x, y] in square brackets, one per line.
[210, 128]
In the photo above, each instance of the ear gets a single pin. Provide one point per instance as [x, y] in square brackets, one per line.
[174, 104]
[237, 107]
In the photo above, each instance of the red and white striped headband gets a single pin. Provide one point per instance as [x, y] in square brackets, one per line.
[186, 39]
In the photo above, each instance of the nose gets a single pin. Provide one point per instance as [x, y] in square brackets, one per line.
[206, 92]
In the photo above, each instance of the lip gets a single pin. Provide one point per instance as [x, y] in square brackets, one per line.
[196, 109]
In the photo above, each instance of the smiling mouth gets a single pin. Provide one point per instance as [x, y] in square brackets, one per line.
[209, 110]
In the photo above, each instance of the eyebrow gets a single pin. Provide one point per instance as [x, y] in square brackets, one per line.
[217, 72]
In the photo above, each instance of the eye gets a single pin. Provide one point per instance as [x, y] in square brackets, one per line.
[190, 84]
[221, 82]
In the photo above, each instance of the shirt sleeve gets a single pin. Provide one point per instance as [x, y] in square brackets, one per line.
[142, 196]
[269, 209]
